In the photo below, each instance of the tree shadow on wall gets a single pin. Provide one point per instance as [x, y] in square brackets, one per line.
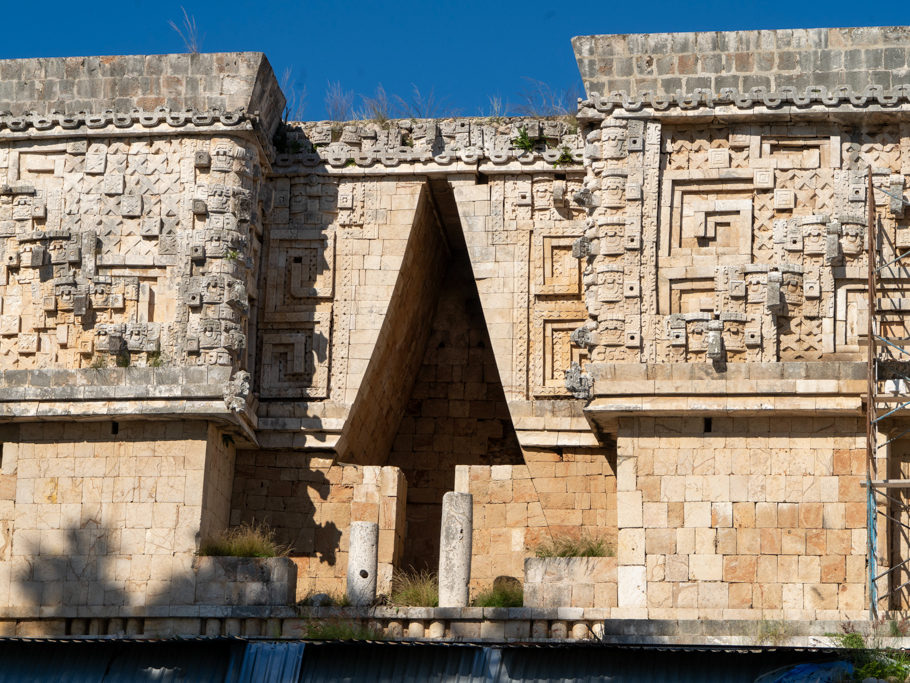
[63, 569]
[280, 490]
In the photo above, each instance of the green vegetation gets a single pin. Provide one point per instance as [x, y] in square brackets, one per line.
[98, 363]
[232, 255]
[873, 662]
[415, 589]
[247, 540]
[123, 359]
[565, 158]
[153, 359]
[773, 632]
[501, 595]
[337, 629]
[523, 141]
[585, 544]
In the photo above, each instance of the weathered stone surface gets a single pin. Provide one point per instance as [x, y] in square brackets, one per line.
[455, 549]
[363, 551]
[656, 335]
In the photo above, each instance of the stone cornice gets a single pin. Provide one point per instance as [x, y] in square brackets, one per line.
[550, 143]
[812, 96]
[109, 119]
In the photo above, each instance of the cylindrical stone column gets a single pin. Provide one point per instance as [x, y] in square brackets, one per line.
[363, 550]
[455, 549]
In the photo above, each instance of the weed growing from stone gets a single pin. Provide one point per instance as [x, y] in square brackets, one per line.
[500, 596]
[415, 589]
[773, 632]
[336, 629]
[523, 141]
[246, 540]
[873, 662]
[585, 544]
[565, 158]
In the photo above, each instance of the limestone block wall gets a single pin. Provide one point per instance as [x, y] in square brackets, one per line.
[456, 413]
[751, 517]
[310, 502]
[392, 310]
[570, 582]
[516, 507]
[107, 516]
[667, 63]
[348, 191]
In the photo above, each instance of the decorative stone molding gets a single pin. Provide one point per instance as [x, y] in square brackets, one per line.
[432, 142]
[701, 98]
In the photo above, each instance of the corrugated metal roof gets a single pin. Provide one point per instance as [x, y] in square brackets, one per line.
[244, 661]
[265, 662]
[346, 662]
[110, 661]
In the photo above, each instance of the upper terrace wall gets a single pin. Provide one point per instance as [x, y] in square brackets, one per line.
[668, 62]
[227, 81]
[668, 232]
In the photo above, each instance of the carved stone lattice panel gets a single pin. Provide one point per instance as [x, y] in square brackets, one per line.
[295, 363]
[300, 270]
[552, 350]
[704, 218]
[686, 290]
[796, 147]
[556, 270]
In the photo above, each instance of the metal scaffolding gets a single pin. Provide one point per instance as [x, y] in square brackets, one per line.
[888, 398]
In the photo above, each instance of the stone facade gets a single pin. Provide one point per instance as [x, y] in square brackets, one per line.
[647, 322]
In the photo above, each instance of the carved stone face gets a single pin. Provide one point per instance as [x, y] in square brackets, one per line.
[213, 290]
[755, 289]
[100, 295]
[614, 143]
[733, 336]
[852, 239]
[223, 158]
[613, 191]
[814, 239]
[66, 293]
[209, 334]
[219, 198]
[696, 336]
[611, 243]
[135, 336]
[611, 286]
[612, 332]
[108, 338]
[57, 252]
[792, 289]
[22, 209]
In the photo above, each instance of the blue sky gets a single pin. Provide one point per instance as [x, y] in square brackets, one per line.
[463, 52]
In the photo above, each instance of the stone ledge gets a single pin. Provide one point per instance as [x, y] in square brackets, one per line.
[554, 627]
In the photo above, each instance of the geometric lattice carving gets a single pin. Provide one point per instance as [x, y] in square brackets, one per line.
[295, 364]
[557, 271]
[552, 350]
[300, 270]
